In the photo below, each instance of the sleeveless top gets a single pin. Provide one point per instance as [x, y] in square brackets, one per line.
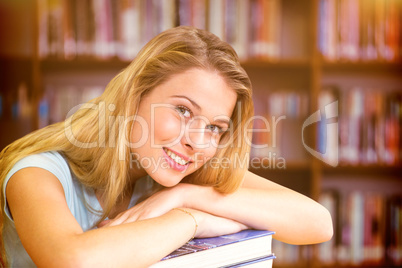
[78, 199]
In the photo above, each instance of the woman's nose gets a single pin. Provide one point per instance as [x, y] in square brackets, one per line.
[195, 137]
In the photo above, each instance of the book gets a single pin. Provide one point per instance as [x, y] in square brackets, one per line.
[242, 249]
[264, 262]
[327, 253]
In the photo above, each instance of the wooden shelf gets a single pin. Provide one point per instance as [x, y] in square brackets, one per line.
[113, 63]
[290, 166]
[15, 70]
[365, 66]
[378, 170]
[10, 58]
[276, 63]
[90, 63]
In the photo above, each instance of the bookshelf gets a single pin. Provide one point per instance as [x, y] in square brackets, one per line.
[293, 51]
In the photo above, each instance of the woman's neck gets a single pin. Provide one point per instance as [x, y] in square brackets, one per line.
[122, 203]
[124, 199]
[136, 173]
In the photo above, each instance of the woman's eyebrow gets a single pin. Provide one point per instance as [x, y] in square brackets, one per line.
[222, 121]
[198, 107]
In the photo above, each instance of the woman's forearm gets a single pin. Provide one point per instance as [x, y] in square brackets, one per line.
[296, 219]
[135, 244]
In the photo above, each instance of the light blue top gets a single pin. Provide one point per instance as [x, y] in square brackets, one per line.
[77, 196]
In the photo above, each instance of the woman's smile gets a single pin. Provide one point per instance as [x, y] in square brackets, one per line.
[175, 160]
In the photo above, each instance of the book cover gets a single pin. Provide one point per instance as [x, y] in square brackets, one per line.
[265, 262]
[220, 251]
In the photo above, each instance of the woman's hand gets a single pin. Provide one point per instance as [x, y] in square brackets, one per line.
[211, 225]
[207, 225]
[156, 205]
[167, 199]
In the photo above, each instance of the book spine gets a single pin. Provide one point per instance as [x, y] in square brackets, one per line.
[367, 228]
[327, 249]
[243, 29]
[43, 39]
[55, 30]
[216, 18]
[69, 28]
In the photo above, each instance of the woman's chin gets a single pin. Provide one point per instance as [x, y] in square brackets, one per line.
[168, 184]
[166, 179]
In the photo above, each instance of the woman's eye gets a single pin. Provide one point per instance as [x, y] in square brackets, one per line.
[214, 129]
[184, 111]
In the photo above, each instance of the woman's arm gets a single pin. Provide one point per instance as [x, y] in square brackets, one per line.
[52, 237]
[259, 204]
[263, 204]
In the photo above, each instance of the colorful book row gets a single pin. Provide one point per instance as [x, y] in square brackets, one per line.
[278, 116]
[61, 101]
[368, 229]
[106, 28]
[369, 126]
[360, 29]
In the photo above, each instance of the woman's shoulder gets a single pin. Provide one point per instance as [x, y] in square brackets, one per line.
[49, 156]
[51, 161]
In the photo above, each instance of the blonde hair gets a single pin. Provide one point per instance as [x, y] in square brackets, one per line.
[98, 165]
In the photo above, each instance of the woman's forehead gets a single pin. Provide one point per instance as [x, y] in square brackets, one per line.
[205, 90]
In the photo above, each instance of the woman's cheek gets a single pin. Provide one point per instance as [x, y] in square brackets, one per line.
[167, 127]
[210, 152]
[205, 155]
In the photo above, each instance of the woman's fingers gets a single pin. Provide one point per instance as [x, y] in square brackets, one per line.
[119, 219]
[103, 223]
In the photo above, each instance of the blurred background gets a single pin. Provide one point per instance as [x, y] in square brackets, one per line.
[300, 55]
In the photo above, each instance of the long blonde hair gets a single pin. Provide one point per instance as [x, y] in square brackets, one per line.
[97, 161]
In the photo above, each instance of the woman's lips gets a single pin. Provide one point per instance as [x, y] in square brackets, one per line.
[175, 160]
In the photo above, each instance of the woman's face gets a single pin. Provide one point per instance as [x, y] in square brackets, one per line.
[179, 125]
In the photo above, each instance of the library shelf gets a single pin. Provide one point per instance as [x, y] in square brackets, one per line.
[370, 169]
[300, 166]
[276, 63]
[82, 63]
[367, 66]
[115, 62]
[299, 68]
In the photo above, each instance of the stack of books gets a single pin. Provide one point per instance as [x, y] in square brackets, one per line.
[248, 248]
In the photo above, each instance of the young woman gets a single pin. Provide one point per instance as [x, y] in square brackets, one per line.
[157, 159]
